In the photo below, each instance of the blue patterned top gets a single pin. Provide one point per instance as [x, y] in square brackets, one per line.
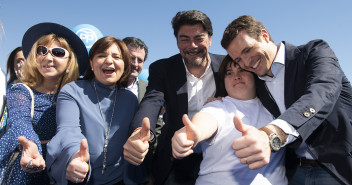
[41, 127]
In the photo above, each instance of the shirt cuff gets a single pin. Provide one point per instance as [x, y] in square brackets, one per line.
[288, 129]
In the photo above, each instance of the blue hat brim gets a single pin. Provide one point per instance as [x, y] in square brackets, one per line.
[41, 29]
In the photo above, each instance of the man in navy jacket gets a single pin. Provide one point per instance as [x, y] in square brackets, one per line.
[306, 90]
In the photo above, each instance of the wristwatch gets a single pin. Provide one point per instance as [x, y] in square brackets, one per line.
[274, 139]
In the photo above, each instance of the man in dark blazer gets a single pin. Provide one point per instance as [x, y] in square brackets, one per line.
[183, 83]
[306, 90]
[139, 53]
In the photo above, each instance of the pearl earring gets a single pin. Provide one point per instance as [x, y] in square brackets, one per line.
[92, 69]
[67, 70]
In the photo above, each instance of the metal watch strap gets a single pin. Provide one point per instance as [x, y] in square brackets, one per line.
[272, 137]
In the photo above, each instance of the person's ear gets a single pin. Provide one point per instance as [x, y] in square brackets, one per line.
[265, 36]
[91, 64]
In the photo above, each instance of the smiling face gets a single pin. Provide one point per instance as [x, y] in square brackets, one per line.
[194, 42]
[108, 66]
[251, 54]
[239, 83]
[137, 60]
[49, 66]
[18, 63]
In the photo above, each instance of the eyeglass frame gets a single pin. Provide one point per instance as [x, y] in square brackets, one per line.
[49, 50]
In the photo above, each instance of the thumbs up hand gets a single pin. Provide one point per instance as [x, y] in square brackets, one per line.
[185, 139]
[78, 167]
[137, 145]
[31, 160]
[253, 147]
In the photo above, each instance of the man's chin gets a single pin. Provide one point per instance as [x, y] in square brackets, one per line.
[134, 74]
[195, 62]
[132, 77]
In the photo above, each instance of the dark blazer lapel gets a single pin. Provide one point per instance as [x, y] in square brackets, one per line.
[180, 80]
[215, 65]
[292, 74]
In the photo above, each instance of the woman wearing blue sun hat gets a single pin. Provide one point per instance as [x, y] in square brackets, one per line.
[55, 56]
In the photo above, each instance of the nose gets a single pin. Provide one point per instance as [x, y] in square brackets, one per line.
[109, 59]
[244, 62]
[193, 43]
[49, 57]
[236, 76]
[134, 61]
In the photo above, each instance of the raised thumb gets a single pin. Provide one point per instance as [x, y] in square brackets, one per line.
[83, 150]
[145, 131]
[239, 125]
[189, 127]
[186, 121]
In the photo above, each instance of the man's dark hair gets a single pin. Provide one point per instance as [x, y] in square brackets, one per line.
[136, 43]
[191, 17]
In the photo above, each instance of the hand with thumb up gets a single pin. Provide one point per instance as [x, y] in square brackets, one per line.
[185, 139]
[137, 145]
[78, 167]
[253, 147]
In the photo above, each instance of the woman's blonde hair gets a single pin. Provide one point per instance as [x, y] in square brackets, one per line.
[32, 77]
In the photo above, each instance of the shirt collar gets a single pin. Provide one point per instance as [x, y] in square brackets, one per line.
[205, 72]
[135, 83]
[278, 63]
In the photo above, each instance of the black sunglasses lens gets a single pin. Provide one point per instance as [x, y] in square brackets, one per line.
[41, 50]
[58, 52]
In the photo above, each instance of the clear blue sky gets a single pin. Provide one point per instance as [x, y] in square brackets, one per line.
[296, 21]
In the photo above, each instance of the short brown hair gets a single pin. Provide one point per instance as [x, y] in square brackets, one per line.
[137, 44]
[252, 26]
[103, 44]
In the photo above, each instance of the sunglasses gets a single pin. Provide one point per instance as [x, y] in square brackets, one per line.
[55, 52]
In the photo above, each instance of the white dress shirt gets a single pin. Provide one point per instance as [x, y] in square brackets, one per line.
[134, 88]
[199, 89]
[276, 86]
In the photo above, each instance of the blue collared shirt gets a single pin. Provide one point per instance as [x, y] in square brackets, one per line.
[276, 86]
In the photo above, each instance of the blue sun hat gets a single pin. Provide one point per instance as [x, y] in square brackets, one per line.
[46, 28]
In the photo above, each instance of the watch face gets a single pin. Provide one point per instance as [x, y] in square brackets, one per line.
[275, 143]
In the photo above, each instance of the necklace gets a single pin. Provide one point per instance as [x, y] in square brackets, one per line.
[107, 131]
[52, 98]
[51, 95]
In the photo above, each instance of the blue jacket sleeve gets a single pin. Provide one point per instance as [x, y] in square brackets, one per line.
[67, 140]
[323, 84]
